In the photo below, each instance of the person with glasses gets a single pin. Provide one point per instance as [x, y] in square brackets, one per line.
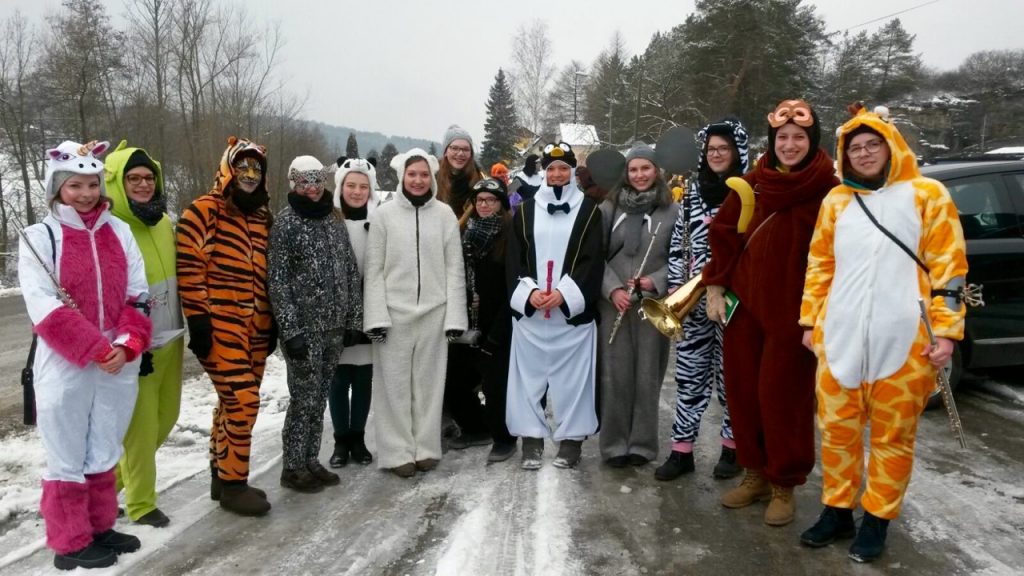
[861, 315]
[483, 247]
[769, 376]
[725, 153]
[222, 281]
[555, 266]
[456, 176]
[135, 186]
[316, 295]
[637, 212]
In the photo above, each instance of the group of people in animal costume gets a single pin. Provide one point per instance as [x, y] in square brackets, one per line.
[413, 303]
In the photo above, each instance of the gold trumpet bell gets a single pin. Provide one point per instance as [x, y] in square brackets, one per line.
[667, 313]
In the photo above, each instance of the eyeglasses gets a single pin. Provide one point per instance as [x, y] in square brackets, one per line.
[487, 201]
[719, 150]
[457, 150]
[136, 179]
[868, 148]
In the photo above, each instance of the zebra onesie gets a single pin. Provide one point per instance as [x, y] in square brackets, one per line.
[699, 354]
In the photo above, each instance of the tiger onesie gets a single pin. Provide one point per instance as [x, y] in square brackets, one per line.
[222, 274]
[860, 303]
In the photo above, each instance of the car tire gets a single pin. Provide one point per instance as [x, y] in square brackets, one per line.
[955, 371]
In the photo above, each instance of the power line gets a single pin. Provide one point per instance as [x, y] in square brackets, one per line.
[887, 16]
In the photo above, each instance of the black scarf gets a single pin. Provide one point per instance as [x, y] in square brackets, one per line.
[712, 186]
[248, 203]
[480, 235]
[416, 201]
[307, 208]
[150, 212]
[355, 214]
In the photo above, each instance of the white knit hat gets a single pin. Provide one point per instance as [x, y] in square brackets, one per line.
[73, 158]
[308, 168]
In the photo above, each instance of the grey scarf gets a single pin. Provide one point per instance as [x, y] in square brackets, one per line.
[635, 205]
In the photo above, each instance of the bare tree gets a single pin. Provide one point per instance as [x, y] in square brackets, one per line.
[532, 72]
[17, 62]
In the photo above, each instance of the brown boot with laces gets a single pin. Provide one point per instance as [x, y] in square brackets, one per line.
[753, 488]
[782, 508]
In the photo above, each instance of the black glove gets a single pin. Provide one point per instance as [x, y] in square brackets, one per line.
[354, 338]
[452, 334]
[378, 335]
[146, 364]
[272, 344]
[200, 335]
[296, 348]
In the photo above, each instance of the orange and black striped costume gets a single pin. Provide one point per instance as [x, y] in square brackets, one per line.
[222, 273]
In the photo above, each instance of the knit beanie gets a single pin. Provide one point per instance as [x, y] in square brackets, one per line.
[456, 132]
[70, 159]
[139, 158]
[560, 152]
[530, 167]
[643, 151]
[492, 186]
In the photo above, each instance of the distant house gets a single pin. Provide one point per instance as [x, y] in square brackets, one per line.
[582, 138]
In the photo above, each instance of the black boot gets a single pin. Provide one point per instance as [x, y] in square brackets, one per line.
[870, 540]
[217, 485]
[117, 542]
[92, 556]
[325, 476]
[301, 481]
[357, 448]
[727, 466]
[677, 464]
[569, 452]
[833, 523]
[533, 453]
[244, 500]
[339, 458]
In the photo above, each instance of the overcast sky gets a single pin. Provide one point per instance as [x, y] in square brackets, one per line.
[413, 67]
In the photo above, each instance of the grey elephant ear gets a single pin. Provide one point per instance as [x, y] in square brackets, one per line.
[677, 151]
[606, 167]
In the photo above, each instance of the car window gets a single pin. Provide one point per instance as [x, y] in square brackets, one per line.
[985, 211]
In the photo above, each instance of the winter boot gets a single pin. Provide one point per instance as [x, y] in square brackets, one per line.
[501, 451]
[727, 466]
[242, 499]
[92, 556]
[569, 452]
[301, 481]
[468, 439]
[833, 523]
[533, 453]
[339, 458]
[117, 542]
[325, 476]
[427, 464]
[407, 470]
[618, 461]
[782, 508]
[155, 518]
[217, 486]
[677, 464]
[638, 460]
[357, 448]
[753, 488]
[870, 540]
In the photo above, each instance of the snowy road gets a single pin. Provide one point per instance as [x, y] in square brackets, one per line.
[964, 512]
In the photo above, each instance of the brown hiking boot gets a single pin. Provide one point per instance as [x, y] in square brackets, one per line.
[243, 500]
[782, 508]
[427, 464]
[217, 485]
[407, 470]
[301, 481]
[325, 476]
[753, 488]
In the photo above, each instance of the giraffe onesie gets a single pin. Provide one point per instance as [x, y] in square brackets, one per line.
[861, 300]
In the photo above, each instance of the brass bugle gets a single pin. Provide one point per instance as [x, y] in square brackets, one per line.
[667, 313]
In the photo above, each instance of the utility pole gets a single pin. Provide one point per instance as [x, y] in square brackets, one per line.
[575, 88]
[639, 87]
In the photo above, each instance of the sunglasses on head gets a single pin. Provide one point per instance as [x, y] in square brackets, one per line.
[487, 185]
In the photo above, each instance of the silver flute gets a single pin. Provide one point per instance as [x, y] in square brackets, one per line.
[632, 289]
[943, 383]
[61, 292]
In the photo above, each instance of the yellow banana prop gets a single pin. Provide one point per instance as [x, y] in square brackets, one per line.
[746, 194]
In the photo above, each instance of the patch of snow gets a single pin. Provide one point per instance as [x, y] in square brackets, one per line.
[1007, 150]
[13, 291]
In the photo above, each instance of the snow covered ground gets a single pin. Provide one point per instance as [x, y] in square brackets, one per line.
[964, 512]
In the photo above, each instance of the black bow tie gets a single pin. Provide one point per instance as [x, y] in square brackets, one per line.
[564, 207]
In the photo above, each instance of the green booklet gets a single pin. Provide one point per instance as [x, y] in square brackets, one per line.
[731, 303]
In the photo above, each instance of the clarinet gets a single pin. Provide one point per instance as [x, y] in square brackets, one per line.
[943, 383]
[636, 278]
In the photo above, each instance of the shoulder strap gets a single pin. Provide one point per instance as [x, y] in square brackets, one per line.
[53, 246]
[35, 337]
[888, 234]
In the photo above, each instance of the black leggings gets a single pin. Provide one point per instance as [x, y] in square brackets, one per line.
[344, 419]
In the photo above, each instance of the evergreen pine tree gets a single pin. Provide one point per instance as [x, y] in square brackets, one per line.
[500, 127]
[895, 66]
[387, 178]
[352, 147]
[372, 154]
[433, 149]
